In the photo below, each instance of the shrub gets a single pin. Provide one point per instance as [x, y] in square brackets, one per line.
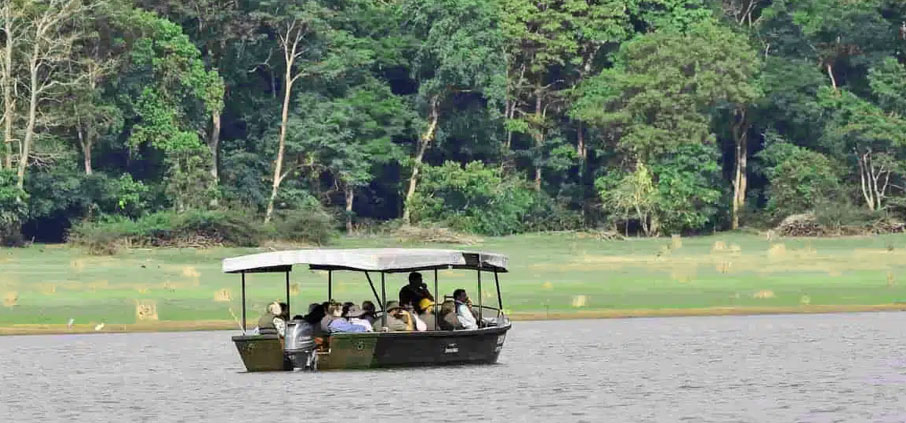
[798, 178]
[12, 209]
[474, 198]
[312, 225]
[192, 228]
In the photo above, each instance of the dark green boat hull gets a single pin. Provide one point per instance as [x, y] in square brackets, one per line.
[372, 350]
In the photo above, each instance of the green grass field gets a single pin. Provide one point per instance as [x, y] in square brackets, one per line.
[557, 275]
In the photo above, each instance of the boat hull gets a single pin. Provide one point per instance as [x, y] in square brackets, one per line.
[373, 350]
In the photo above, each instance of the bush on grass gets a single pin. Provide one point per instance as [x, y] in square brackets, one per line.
[195, 228]
[311, 226]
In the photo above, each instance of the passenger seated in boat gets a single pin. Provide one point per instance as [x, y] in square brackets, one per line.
[426, 313]
[448, 320]
[272, 322]
[413, 293]
[398, 320]
[346, 306]
[417, 323]
[316, 313]
[369, 311]
[354, 314]
[464, 309]
[336, 323]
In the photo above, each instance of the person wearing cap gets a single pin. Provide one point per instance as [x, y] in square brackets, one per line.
[336, 323]
[398, 320]
[464, 309]
[355, 316]
[426, 313]
[272, 322]
[413, 293]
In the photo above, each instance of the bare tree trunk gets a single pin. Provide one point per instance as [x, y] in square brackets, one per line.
[423, 142]
[281, 147]
[32, 115]
[865, 178]
[830, 73]
[350, 197]
[214, 145]
[9, 106]
[581, 149]
[290, 42]
[539, 132]
[740, 135]
[85, 141]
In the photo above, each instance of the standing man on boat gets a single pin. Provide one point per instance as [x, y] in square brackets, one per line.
[415, 292]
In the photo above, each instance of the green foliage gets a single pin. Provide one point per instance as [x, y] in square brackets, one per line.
[665, 83]
[193, 228]
[630, 194]
[637, 105]
[689, 194]
[13, 208]
[798, 178]
[472, 198]
[310, 225]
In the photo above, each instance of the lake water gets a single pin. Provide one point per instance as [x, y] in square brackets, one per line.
[809, 368]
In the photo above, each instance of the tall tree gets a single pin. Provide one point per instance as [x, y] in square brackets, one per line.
[50, 35]
[457, 53]
[309, 47]
[664, 88]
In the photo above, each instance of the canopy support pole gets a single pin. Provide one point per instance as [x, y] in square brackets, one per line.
[435, 299]
[383, 302]
[373, 291]
[499, 298]
[243, 303]
[287, 293]
[330, 285]
[479, 293]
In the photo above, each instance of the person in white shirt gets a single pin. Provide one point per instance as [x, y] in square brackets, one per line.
[464, 309]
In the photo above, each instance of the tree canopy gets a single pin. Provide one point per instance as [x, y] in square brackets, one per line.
[490, 116]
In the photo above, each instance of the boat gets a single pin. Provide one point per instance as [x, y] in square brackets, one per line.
[299, 349]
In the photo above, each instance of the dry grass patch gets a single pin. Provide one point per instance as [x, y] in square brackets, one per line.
[11, 299]
[295, 289]
[547, 286]
[723, 267]
[190, 272]
[47, 288]
[764, 294]
[434, 235]
[683, 273]
[777, 251]
[580, 301]
[145, 310]
[805, 300]
[719, 246]
[223, 296]
[98, 285]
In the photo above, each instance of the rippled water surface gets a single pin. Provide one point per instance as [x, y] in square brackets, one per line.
[821, 368]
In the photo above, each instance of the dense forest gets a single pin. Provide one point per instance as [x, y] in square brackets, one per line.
[649, 117]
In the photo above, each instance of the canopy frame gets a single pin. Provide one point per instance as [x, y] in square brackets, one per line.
[433, 260]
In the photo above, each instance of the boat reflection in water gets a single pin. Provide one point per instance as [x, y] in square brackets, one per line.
[302, 350]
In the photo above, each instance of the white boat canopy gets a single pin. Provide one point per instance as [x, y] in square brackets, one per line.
[367, 260]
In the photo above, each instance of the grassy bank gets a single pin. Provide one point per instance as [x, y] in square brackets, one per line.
[553, 276]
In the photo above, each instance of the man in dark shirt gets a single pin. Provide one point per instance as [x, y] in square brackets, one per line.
[415, 292]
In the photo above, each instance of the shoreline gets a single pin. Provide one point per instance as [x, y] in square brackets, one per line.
[206, 325]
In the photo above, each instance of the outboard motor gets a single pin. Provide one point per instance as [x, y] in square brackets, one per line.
[299, 345]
